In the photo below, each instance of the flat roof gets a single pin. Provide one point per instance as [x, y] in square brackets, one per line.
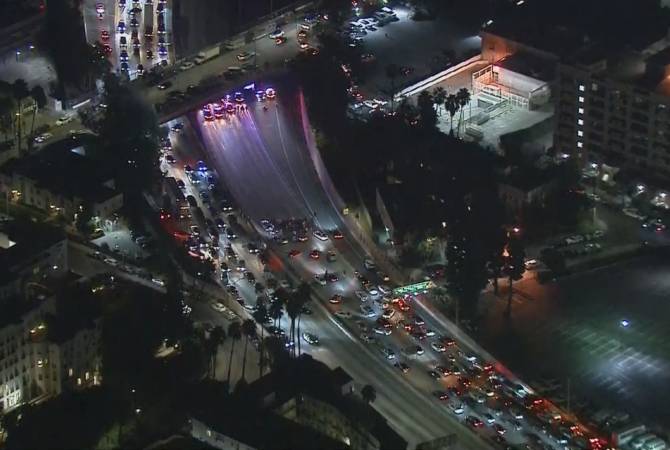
[563, 28]
[529, 65]
[65, 172]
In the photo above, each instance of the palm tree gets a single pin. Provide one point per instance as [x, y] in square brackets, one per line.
[463, 98]
[235, 334]
[216, 339]
[392, 72]
[369, 393]
[293, 308]
[277, 311]
[304, 295]
[439, 96]
[451, 104]
[6, 113]
[259, 315]
[249, 331]
[40, 98]
[19, 92]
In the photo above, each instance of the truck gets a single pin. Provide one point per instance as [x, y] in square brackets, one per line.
[148, 20]
[207, 54]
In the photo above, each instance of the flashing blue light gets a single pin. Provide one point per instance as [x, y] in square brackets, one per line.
[624, 323]
[251, 86]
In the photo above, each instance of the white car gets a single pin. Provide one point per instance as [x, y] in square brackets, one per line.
[275, 34]
[216, 306]
[457, 408]
[388, 353]
[429, 333]
[367, 311]
[245, 55]
[187, 65]
[63, 120]
[362, 295]
[320, 235]
[438, 347]
[42, 138]
[310, 338]
[369, 264]
[382, 330]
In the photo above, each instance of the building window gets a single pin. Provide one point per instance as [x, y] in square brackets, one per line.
[580, 122]
[594, 86]
[581, 99]
[580, 111]
[580, 144]
[580, 133]
[581, 88]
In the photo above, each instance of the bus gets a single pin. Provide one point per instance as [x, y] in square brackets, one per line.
[148, 20]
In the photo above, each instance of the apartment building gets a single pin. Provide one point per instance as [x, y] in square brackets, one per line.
[38, 362]
[614, 110]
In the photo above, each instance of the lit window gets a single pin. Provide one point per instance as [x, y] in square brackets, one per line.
[581, 88]
[580, 133]
[594, 86]
[580, 122]
[86, 375]
[580, 144]
[78, 381]
[580, 110]
[581, 99]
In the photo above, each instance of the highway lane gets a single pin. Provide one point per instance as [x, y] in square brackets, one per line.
[256, 153]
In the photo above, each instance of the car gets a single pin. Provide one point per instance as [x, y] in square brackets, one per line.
[438, 347]
[164, 85]
[303, 45]
[367, 311]
[280, 40]
[343, 314]
[489, 418]
[418, 320]
[294, 253]
[457, 408]
[429, 332]
[187, 65]
[388, 313]
[310, 338]
[335, 299]
[479, 398]
[42, 138]
[362, 295]
[104, 35]
[404, 368]
[367, 338]
[474, 422]
[63, 120]
[276, 33]
[320, 279]
[107, 49]
[177, 128]
[216, 306]
[315, 254]
[337, 234]
[499, 429]
[387, 352]
[123, 56]
[331, 277]
[382, 330]
[456, 391]
[320, 235]
[418, 350]
[441, 395]
[162, 51]
[251, 278]
[150, 55]
[99, 8]
[134, 23]
[331, 256]
[434, 374]
[245, 56]
[121, 27]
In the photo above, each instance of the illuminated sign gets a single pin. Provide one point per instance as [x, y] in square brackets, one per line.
[416, 288]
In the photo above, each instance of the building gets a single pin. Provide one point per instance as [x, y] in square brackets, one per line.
[614, 110]
[61, 181]
[303, 405]
[38, 362]
[520, 189]
[30, 253]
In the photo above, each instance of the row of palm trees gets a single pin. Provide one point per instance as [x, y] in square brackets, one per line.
[13, 101]
[452, 103]
[291, 302]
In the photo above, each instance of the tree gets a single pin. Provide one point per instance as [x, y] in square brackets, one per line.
[83, 217]
[515, 267]
[293, 307]
[235, 334]
[19, 92]
[439, 97]
[303, 295]
[40, 98]
[249, 332]
[463, 98]
[6, 115]
[452, 105]
[260, 315]
[427, 114]
[217, 336]
[277, 310]
[369, 393]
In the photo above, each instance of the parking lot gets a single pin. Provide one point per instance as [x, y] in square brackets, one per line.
[598, 333]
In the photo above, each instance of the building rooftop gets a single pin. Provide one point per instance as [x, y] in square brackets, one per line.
[566, 27]
[529, 65]
[67, 172]
[20, 242]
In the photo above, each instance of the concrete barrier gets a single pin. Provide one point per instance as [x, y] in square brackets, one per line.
[434, 79]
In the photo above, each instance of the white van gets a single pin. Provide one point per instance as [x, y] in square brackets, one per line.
[638, 442]
[655, 444]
